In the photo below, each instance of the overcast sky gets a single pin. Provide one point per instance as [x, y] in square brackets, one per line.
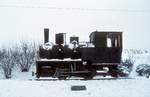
[26, 19]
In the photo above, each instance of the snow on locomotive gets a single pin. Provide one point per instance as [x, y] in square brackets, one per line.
[101, 55]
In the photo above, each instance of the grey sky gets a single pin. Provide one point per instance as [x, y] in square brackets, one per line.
[26, 19]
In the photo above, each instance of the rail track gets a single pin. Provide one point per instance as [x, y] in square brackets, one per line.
[54, 79]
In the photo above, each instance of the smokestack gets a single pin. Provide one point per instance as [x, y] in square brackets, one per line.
[46, 35]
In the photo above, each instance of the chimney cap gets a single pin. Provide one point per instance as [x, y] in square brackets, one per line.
[46, 29]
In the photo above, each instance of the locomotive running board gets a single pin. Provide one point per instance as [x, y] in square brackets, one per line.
[59, 60]
[105, 64]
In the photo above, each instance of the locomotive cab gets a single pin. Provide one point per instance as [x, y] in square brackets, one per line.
[106, 52]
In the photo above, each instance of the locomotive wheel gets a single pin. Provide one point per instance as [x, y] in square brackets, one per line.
[62, 77]
[37, 76]
[90, 75]
[114, 74]
[113, 70]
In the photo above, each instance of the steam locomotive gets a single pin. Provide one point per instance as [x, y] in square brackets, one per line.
[101, 55]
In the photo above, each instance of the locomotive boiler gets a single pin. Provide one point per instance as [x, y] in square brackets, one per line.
[101, 55]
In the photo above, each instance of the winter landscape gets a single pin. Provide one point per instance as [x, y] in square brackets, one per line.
[21, 34]
[23, 84]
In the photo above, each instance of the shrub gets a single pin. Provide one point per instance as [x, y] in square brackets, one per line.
[26, 56]
[7, 62]
[22, 56]
[126, 66]
[143, 69]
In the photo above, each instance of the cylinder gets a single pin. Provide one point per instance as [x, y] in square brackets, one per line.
[46, 35]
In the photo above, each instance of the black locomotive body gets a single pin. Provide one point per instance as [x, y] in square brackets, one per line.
[100, 56]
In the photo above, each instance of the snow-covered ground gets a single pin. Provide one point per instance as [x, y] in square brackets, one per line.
[20, 85]
[139, 87]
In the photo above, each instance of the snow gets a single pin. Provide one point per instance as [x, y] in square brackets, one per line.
[20, 85]
[139, 87]
[47, 46]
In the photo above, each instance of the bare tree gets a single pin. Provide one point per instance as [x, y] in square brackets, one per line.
[7, 62]
[26, 53]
